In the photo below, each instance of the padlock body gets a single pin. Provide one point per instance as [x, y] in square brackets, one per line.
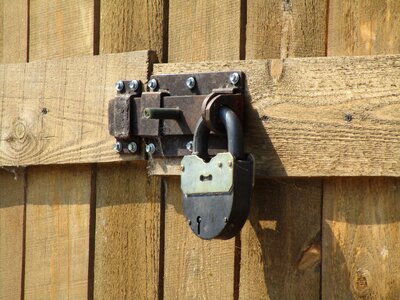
[219, 210]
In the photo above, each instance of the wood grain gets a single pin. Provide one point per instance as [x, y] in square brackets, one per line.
[129, 229]
[194, 268]
[127, 232]
[280, 29]
[11, 232]
[317, 116]
[13, 48]
[14, 31]
[134, 25]
[204, 30]
[280, 255]
[361, 231]
[59, 115]
[61, 28]
[359, 217]
[363, 27]
[57, 232]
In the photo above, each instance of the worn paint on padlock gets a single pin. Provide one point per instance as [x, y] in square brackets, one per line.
[199, 177]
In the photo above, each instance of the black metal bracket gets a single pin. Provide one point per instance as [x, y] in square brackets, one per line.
[163, 119]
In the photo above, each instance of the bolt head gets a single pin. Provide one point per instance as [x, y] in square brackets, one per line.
[132, 147]
[234, 78]
[134, 85]
[191, 82]
[119, 86]
[152, 84]
[150, 148]
[118, 147]
[189, 146]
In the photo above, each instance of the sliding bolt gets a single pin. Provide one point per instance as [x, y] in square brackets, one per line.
[152, 84]
[234, 78]
[134, 85]
[132, 147]
[150, 148]
[191, 82]
[119, 86]
[118, 147]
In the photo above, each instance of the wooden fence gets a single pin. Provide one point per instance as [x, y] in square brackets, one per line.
[323, 224]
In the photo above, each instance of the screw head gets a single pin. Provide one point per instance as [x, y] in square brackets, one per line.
[234, 78]
[226, 220]
[189, 146]
[150, 148]
[219, 164]
[132, 147]
[134, 85]
[152, 84]
[119, 86]
[191, 82]
[118, 147]
[230, 164]
[189, 222]
[182, 168]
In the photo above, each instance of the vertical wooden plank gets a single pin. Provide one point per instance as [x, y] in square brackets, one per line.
[281, 244]
[57, 234]
[11, 232]
[61, 28]
[14, 31]
[281, 241]
[279, 29]
[58, 199]
[133, 25]
[127, 232]
[360, 223]
[128, 243]
[361, 256]
[194, 269]
[204, 30]
[13, 48]
[363, 27]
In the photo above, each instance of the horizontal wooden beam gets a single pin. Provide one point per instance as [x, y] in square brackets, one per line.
[335, 116]
[55, 112]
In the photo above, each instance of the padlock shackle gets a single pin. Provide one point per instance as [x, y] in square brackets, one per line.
[234, 133]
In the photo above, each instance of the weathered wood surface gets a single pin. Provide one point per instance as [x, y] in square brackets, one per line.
[361, 233]
[205, 30]
[60, 28]
[128, 255]
[281, 29]
[360, 227]
[318, 116]
[280, 243]
[305, 117]
[57, 232]
[194, 268]
[134, 25]
[58, 197]
[127, 246]
[13, 49]
[59, 113]
[367, 27]
[12, 198]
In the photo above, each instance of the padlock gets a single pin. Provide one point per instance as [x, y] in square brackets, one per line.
[217, 191]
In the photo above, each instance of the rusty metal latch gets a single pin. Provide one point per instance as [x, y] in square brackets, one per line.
[162, 120]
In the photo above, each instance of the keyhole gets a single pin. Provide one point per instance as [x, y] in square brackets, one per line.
[206, 178]
[198, 224]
